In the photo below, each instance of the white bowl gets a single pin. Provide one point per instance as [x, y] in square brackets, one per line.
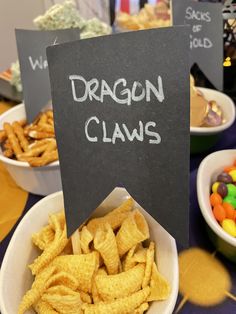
[227, 106]
[209, 169]
[41, 180]
[15, 277]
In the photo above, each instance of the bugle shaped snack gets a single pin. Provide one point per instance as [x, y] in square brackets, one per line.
[86, 238]
[160, 288]
[149, 263]
[111, 287]
[54, 249]
[128, 262]
[95, 295]
[42, 307]
[140, 310]
[113, 218]
[38, 287]
[44, 237]
[133, 230]
[120, 306]
[64, 304]
[105, 244]
[82, 267]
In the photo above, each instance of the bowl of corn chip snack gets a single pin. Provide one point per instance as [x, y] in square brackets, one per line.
[120, 261]
[29, 151]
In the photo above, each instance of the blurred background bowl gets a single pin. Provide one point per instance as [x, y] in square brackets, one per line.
[40, 180]
[203, 138]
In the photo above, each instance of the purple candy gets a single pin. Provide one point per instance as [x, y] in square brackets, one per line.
[225, 178]
[212, 119]
[222, 190]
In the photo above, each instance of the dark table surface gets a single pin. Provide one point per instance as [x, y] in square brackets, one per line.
[198, 236]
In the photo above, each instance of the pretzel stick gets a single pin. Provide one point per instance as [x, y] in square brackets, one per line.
[12, 139]
[43, 119]
[47, 127]
[44, 160]
[7, 144]
[20, 134]
[51, 147]
[22, 122]
[40, 142]
[34, 152]
[49, 114]
[50, 121]
[40, 135]
[8, 153]
[3, 136]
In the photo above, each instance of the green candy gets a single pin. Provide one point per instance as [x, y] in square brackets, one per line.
[231, 200]
[231, 190]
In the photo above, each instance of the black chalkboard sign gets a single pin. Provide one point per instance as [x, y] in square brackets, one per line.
[31, 46]
[121, 110]
[206, 36]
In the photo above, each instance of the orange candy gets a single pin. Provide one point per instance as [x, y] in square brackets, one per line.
[219, 212]
[215, 199]
[230, 168]
[229, 211]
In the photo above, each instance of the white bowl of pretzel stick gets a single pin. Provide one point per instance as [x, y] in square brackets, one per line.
[37, 180]
[15, 273]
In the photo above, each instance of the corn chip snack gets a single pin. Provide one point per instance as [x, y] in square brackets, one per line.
[33, 143]
[149, 263]
[42, 307]
[114, 218]
[160, 289]
[108, 287]
[150, 16]
[105, 244]
[43, 238]
[76, 243]
[143, 307]
[65, 304]
[63, 278]
[38, 287]
[95, 295]
[86, 238]
[82, 267]
[55, 248]
[104, 268]
[60, 289]
[133, 230]
[120, 306]
[128, 262]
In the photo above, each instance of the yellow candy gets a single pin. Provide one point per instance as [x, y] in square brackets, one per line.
[232, 173]
[215, 187]
[229, 226]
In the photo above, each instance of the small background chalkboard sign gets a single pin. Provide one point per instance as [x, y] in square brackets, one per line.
[31, 46]
[206, 36]
[102, 90]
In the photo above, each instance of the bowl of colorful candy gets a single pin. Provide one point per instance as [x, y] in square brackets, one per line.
[216, 190]
[211, 113]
